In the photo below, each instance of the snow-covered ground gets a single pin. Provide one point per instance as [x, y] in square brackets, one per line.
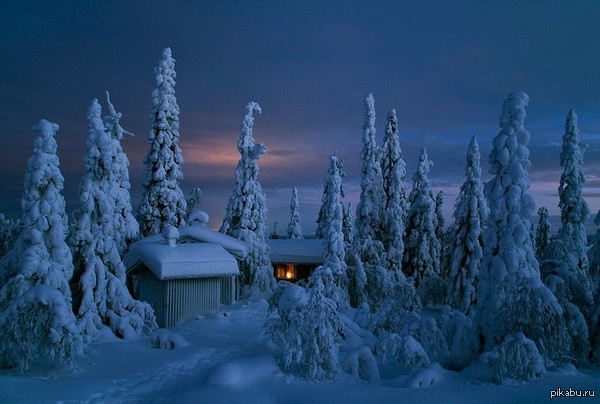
[228, 360]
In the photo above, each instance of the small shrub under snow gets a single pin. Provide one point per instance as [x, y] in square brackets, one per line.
[516, 359]
[406, 351]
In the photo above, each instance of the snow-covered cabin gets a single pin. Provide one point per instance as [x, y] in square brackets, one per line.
[295, 259]
[184, 272]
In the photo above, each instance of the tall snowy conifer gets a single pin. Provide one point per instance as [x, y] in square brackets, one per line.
[163, 201]
[36, 318]
[470, 214]
[369, 211]
[594, 272]
[334, 254]
[9, 233]
[542, 237]
[321, 222]
[100, 294]
[246, 215]
[511, 296]
[395, 201]
[294, 230]
[348, 225]
[193, 202]
[439, 233]
[127, 228]
[422, 248]
[573, 207]
[439, 214]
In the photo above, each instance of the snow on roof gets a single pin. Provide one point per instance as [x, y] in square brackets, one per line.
[204, 234]
[307, 251]
[192, 260]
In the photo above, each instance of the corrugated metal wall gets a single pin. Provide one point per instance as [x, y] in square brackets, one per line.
[228, 292]
[179, 300]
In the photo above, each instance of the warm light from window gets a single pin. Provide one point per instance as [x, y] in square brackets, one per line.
[289, 274]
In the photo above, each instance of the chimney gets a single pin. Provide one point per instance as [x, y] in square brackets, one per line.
[171, 234]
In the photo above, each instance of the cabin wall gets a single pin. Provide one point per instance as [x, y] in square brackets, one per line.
[177, 301]
[228, 289]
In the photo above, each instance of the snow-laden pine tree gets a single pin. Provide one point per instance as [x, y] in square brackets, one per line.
[594, 272]
[162, 200]
[573, 207]
[308, 331]
[321, 222]
[422, 248]
[193, 202]
[126, 226]
[100, 295]
[558, 275]
[511, 296]
[369, 211]
[470, 214]
[246, 215]
[439, 231]
[9, 233]
[542, 236]
[334, 249]
[294, 230]
[439, 214]
[36, 318]
[348, 226]
[395, 200]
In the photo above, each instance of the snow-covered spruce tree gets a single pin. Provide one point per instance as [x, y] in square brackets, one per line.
[348, 226]
[511, 296]
[163, 201]
[9, 233]
[422, 248]
[193, 202]
[100, 294]
[36, 319]
[246, 215]
[439, 202]
[573, 207]
[395, 200]
[470, 214]
[439, 232]
[594, 272]
[369, 211]
[126, 226]
[571, 293]
[308, 331]
[542, 236]
[357, 278]
[334, 249]
[321, 222]
[294, 229]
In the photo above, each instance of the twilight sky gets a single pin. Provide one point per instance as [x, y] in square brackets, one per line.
[445, 66]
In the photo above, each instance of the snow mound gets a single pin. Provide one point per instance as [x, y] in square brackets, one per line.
[243, 372]
[167, 339]
[361, 364]
[427, 377]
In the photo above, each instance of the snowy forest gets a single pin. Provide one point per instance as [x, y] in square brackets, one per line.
[400, 292]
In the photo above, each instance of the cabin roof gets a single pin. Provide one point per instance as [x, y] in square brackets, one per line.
[187, 260]
[288, 251]
[200, 252]
[204, 234]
